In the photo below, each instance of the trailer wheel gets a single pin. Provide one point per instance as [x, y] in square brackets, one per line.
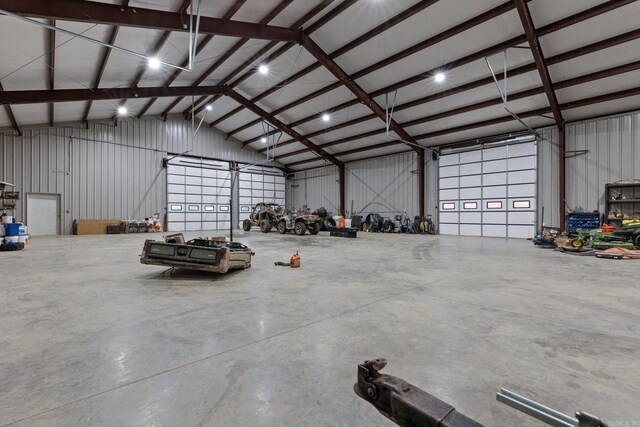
[246, 225]
[282, 227]
[329, 223]
[300, 228]
[315, 228]
[265, 226]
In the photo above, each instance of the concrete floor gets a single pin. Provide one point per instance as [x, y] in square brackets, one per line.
[90, 337]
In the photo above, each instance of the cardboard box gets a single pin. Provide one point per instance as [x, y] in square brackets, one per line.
[93, 226]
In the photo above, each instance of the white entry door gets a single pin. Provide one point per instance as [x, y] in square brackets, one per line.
[489, 191]
[43, 214]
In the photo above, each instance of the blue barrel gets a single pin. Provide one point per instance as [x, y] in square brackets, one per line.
[12, 229]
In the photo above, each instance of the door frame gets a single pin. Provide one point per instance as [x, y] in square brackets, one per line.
[58, 213]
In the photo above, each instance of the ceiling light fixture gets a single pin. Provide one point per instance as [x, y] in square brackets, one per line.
[122, 111]
[326, 117]
[439, 77]
[154, 63]
[263, 69]
[263, 140]
[209, 107]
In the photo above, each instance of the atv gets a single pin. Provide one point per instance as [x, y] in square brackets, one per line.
[264, 215]
[299, 222]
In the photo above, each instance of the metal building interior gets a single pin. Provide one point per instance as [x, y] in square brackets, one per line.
[418, 158]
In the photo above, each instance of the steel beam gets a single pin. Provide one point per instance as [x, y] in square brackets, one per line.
[547, 29]
[355, 88]
[342, 190]
[73, 95]
[52, 66]
[125, 16]
[498, 120]
[280, 125]
[284, 48]
[103, 65]
[225, 56]
[203, 43]
[402, 16]
[9, 110]
[453, 31]
[538, 56]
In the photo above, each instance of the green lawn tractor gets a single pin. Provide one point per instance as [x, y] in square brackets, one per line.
[627, 237]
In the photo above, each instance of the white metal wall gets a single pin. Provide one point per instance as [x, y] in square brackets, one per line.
[106, 171]
[314, 188]
[385, 185]
[612, 148]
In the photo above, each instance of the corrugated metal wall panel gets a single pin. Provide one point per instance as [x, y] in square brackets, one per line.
[613, 153]
[385, 185]
[315, 188]
[106, 171]
[548, 161]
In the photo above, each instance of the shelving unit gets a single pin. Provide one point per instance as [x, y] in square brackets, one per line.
[622, 201]
[8, 199]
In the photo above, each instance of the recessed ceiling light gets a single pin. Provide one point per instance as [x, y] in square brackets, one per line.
[209, 107]
[154, 63]
[263, 69]
[263, 140]
[440, 77]
[122, 111]
[326, 117]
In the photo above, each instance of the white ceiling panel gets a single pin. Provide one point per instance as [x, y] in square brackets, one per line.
[599, 87]
[610, 24]
[31, 114]
[544, 12]
[393, 149]
[603, 109]
[357, 20]
[23, 49]
[433, 20]
[596, 61]
[69, 111]
[498, 30]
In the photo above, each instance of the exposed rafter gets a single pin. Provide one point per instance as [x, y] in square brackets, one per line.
[634, 66]
[555, 26]
[402, 16]
[203, 43]
[9, 110]
[225, 56]
[497, 11]
[313, 48]
[538, 56]
[103, 65]
[283, 127]
[125, 16]
[280, 51]
[73, 95]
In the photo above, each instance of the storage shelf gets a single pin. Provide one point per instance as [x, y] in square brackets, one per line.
[624, 201]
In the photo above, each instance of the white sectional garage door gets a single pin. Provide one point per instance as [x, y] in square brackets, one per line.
[489, 191]
[198, 194]
[259, 184]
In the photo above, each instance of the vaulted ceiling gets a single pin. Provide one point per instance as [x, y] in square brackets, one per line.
[331, 70]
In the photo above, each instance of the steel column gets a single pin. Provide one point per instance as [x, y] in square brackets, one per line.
[421, 183]
[342, 189]
[562, 177]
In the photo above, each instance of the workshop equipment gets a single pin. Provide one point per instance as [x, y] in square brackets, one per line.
[627, 237]
[293, 263]
[409, 406]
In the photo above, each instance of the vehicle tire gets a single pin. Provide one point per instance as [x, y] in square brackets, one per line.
[576, 243]
[329, 223]
[265, 226]
[315, 228]
[300, 228]
[282, 227]
[246, 225]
